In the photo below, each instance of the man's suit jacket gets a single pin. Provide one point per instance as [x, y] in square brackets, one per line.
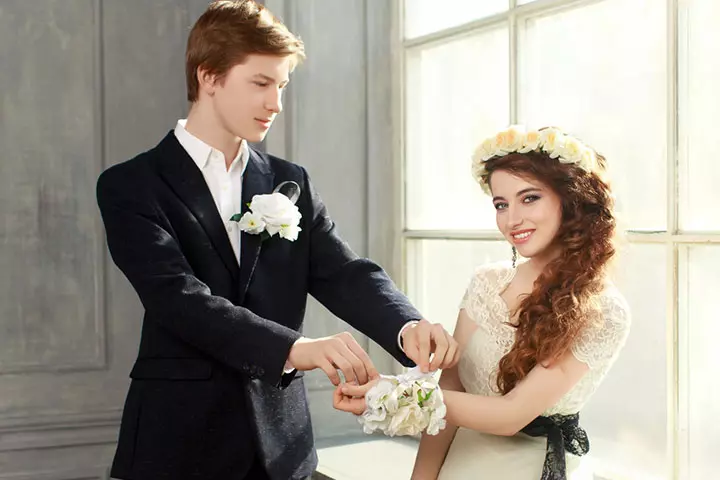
[208, 395]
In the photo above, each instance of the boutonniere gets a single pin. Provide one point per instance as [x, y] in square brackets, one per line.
[273, 213]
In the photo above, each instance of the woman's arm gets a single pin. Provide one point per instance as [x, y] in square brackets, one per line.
[434, 448]
[508, 414]
[501, 415]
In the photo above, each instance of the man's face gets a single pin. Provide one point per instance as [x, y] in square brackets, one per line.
[249, 97]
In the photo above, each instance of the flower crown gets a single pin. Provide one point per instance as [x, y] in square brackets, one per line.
[551, 141]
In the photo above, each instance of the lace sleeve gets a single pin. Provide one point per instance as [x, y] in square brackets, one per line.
[601, 343]
[471, 291]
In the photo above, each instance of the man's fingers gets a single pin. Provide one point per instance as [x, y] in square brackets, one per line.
[330, 371]
[367, 367]
[439, 337]
[423, 340]
[412, 348]
[339, 361]
[341, 347]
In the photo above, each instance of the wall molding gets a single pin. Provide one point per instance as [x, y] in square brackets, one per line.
[59, 431]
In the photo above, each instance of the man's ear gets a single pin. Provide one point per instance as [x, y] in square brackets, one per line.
[206, 80]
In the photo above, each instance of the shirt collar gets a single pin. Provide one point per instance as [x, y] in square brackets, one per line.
[201, 152]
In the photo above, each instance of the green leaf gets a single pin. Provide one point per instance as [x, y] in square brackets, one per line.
[422, 398]
[236, 217]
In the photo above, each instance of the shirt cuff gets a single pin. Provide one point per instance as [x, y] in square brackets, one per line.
[409, 324]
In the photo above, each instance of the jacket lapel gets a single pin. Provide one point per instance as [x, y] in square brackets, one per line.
[187, 181]
[258, 179]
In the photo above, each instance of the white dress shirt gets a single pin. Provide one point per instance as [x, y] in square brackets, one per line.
[225, 184]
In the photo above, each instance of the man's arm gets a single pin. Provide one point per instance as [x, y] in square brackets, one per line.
[353, 288]
[173, 296]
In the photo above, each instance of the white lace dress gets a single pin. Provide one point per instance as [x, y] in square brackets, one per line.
[475, 455]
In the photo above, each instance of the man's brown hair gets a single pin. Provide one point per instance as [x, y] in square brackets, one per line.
[228, 32]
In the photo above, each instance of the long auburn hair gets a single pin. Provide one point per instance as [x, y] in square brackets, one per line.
[558, 310]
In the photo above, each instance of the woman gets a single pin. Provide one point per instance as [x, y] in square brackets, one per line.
[538, 337]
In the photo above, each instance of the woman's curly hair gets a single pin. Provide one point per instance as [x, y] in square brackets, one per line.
[556, 312]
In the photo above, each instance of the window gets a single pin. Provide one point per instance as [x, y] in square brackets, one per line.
[637, 80]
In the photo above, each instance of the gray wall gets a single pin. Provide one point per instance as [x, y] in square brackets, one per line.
[88, 83]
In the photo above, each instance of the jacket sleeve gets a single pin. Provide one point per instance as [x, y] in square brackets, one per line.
[355, 289]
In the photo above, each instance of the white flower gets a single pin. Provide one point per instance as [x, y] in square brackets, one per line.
[531, 143]
[552, 141]
[588, 160]
[406, 404]
[379, 400]
[571, 151]
[289, 232]
[515, 137]
[408, 420]
[382, 394]
[502, 143]
[272, 214]
[252, 223]
[276, 209]
[484, 151]
[436, 424]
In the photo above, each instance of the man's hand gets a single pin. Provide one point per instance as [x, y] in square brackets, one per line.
[339, 351]
[425, 338]
[351, 398]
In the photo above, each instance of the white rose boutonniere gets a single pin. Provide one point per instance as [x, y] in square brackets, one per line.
[270, 214]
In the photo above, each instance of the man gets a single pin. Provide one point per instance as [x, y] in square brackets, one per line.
[216, 392]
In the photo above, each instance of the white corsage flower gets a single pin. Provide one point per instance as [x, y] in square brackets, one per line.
[406, 404]
[271, 214]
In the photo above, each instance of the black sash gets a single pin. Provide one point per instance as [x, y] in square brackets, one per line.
[563, 434]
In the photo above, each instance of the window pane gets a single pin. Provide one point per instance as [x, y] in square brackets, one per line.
[428, 16]
[699, 104]
[439, 271]
[700, 357]
[599, 71]
[627, 417]
[455, 94]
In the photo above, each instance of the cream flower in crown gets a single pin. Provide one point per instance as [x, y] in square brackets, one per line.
[551, 141]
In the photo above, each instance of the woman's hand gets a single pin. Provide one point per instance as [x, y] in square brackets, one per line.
[351, 398]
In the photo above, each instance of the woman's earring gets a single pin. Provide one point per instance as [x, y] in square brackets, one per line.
[514, 257]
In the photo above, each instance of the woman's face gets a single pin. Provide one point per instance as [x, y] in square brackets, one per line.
[528, 213]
